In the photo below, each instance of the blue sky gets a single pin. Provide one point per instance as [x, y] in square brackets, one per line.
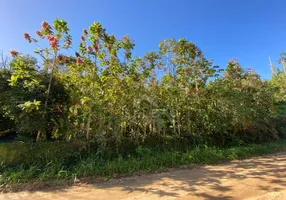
[250, 30]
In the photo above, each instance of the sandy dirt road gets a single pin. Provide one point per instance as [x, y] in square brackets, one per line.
[259, 178]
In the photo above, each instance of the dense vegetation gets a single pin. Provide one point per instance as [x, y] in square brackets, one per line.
[100, 102]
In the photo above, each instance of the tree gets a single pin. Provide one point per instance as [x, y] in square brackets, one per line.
[25, 74]
[279, 79]
[103, 93]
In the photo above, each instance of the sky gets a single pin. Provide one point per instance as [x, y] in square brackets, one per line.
[249, 30]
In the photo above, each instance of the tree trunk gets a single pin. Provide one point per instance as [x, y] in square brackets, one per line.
[88, 122]
[189, 121]
[48, 93]
[38, 135]
[178, 117]
[174, 122]
[196, 82]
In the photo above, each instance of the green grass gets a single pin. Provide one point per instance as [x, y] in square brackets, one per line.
[22, 163]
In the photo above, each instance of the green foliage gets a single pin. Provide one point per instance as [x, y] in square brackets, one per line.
[5, 121]
[23, 89]
[278, 82]
[169, 99]
[107, 95]
[52, 161]
[29, 106]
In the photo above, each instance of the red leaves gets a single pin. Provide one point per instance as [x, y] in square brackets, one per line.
[109, 48]
[96, 48]
[85, 32]
[78, 60]
[89, 49]
[13, 53]
[46, 26]
[39, 33]
[53, 41]
[96, 45]
[27, 37]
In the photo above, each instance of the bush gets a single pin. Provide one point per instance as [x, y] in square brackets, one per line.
[41, 154]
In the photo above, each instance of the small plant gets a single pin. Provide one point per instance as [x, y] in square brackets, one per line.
[143, 151]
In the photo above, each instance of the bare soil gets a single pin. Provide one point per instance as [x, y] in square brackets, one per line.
[259, 178]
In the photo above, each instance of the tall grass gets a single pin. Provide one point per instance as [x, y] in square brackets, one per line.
[21, 163]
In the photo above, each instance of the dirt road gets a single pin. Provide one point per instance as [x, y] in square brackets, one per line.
[260, 178]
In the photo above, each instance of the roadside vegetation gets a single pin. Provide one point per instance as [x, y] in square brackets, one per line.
[96, 110]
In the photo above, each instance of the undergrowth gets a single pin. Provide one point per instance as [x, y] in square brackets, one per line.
[22, 163]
